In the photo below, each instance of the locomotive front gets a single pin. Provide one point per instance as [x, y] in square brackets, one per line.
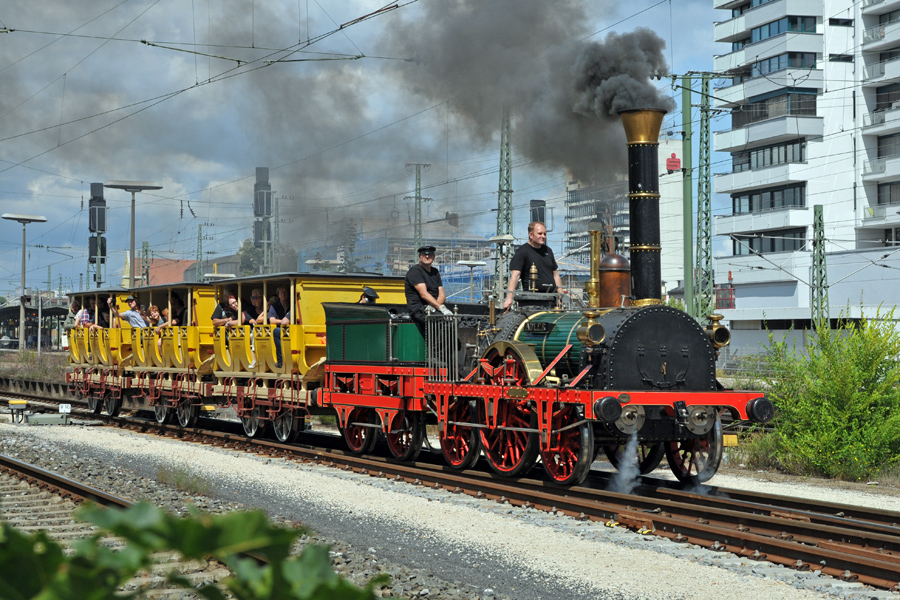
[640, 370]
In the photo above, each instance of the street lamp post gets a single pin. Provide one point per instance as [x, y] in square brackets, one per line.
[133, 187]
[24, 220]
[471, 264]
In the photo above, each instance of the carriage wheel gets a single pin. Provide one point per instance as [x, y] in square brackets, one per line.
[696, 460]
[162, 413]
[360, 439]
[461, 445]
[112, 406]
[284, 426]
[250, 422]
[95, 403]
[511, 452]
[649, 455]
[571, 453]
[405, 439]
[187, 413]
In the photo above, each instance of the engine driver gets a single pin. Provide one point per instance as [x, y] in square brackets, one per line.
[534, 252]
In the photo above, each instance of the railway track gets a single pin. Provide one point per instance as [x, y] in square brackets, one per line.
[848, 542]
[34, 499]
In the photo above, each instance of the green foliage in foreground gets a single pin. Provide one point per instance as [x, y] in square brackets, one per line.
[839, 404]
[33, 567]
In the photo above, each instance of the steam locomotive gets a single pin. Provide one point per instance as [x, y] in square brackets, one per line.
[626, 375]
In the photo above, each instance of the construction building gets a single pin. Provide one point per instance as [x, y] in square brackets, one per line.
[609, 203]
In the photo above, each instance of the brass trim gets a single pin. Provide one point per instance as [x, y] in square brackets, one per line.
[650, 195]
[642, 125]
[523, 353]
[645, 247]
[515, 336]
[646, 302]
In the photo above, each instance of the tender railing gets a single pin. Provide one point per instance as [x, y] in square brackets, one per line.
[442, 341]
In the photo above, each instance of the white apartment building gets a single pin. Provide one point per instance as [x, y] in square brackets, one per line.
[814, 97]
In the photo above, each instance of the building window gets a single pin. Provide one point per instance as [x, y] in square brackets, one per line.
[790, 152]
[783, 25]
[890, 17]
[775, 198]
[847, 58]
[889, 193]
[801, 60]
[887, 96]
[739, 44]
[779, 240]
[889, 145]
[841, 22]
[795, 102]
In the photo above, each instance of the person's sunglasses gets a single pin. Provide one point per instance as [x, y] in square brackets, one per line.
[431, 254]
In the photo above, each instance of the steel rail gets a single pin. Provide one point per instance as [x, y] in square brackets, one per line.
[59, 485]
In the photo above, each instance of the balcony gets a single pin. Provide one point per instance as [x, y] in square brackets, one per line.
[780, 218]
[882, 215]
[881, 37]
[771, 131]
[733, 95]
[879, 7]
[881, 72]
[881, 169]
[730, 30]
[786, 42]
[882, 122]
[727, 4]
[744, 181]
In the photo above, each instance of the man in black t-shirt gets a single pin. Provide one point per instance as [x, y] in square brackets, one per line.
[534, 252]
[424, 288]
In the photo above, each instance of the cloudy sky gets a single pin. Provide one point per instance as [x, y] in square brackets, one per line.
[335, 97]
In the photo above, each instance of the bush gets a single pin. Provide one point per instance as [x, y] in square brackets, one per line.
[36, 567]
[838, 403]
[50, 366]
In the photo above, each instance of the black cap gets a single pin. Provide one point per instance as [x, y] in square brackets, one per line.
[367, 291]
[426, 250]
[129, 298]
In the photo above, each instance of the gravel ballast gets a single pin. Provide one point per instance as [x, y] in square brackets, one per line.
[433, 543]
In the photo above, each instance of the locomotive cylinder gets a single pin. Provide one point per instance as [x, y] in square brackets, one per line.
[642, 132]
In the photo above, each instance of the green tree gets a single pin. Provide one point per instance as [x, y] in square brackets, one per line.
[251, 258]
[838, 401]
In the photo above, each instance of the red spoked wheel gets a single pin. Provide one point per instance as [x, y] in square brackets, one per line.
[568, 461]
[461, 445]
[360, 432]
[407, 432]
[696, 460]
[511, 451]
[649, 455]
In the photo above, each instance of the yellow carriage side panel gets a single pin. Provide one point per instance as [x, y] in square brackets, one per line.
[204, 299]
[313, 290]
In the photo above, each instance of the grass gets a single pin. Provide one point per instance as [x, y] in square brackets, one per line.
[49, 366]
[184, 480]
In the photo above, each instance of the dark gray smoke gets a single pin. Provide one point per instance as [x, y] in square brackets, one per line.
[564, 94]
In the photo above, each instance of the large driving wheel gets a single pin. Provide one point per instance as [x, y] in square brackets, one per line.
[187, 413]
[511, 451]
[112, 405]
[250, 422]
[359, 433]
[571, 453]
[461, 445]
[284, 426]
[407, 432]
[162, 413]
[649, 455]
[696, 460]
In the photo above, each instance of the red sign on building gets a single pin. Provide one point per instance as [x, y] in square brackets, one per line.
[673, 164]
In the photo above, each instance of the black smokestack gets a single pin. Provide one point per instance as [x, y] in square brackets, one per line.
[642, 132]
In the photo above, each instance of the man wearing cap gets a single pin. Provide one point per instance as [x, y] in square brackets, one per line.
[424, 289]
[368, 296]
[534, 252]
[132, 315]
